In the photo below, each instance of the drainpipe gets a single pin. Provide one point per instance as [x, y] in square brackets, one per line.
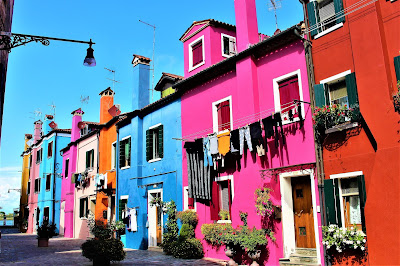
[318, 147]
[54, 178]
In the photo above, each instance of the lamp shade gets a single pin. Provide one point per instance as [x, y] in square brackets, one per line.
[89, 59]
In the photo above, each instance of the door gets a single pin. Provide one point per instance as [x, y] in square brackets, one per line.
[303, 212]
[62, 217]
[155, 219]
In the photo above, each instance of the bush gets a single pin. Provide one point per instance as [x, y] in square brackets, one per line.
[186, 231]
[171, 228]
[103, 250]
[189, 217]
[251, 239]
[224, 215]
[220, 234]
[190, 248]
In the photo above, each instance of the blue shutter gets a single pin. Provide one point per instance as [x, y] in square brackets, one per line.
[312, 18]
[339, 10]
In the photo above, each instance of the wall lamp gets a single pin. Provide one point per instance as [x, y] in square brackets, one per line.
[10, 40]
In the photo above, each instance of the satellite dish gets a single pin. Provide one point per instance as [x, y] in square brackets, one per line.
[81, 125]
[53, 125]
[114, 110]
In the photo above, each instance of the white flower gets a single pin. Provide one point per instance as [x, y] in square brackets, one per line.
[358, 242]
[362, 248]
[328, 247]
[364, 240]
[350, 242]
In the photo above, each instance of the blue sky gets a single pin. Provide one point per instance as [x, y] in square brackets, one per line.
[39, 76]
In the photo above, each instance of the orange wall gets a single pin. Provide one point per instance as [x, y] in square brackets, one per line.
[367, 44]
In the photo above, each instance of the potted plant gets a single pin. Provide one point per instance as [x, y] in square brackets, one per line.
[253, 241]
[264, 206]
[24, 226]
[44, 232]
[225, 216]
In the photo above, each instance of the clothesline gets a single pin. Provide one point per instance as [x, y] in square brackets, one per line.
[243, 120]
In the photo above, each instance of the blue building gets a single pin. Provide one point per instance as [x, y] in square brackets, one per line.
[149, 159]
[52, 141]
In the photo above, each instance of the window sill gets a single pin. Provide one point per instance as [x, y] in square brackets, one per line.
[154, 160]
[83, 218]
[337, 26]
[341, 127]
[125, 167]
[224, 222]
[227, 56]
[196, 66]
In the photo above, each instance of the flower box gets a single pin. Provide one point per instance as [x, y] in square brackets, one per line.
[341, 127]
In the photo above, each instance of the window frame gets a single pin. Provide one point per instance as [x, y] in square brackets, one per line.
[48, 213]
[83, 214]
[50, 149]
[37, 187]
[222, 45]
[130, 158]
[28, 189]
[48, 181]
[193, 43]
[39, 155]
[220, 179]
[155, 150]
[277, 99]
[332, 80]
[89, 165]
[66, 168]
[214, 107]
[113, 155]
[319, 29]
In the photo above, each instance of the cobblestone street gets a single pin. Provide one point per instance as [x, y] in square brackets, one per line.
[17, 248]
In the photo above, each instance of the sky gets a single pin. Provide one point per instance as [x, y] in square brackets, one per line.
[40, 76]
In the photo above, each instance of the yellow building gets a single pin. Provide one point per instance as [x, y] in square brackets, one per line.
[23, 203]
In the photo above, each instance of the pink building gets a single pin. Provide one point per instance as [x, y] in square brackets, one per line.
[234, 77]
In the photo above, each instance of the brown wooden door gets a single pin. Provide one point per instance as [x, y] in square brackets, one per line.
[159, 226]
[303, 212]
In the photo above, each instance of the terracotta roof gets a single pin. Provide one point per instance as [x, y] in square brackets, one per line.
[141, 57]
[172, 75]
[79, 109]
[208, 22]
[167, 76]
[108, 89]
[91, 123]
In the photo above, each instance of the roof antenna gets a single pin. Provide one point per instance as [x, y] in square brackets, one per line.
[53, 109]
[84, 100]
[274, 5]
[113, 79]
[37, 113]
[154, 43]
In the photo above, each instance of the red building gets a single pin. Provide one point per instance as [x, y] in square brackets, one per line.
[355, 52]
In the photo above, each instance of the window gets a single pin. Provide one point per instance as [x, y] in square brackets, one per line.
[125, 152]
[325, 16]
[345, 199]
[50, 149]
[84, 130]
[39, 155]
[66, 169]
[154, 143]
[28, 191]
[48, 181]
[89, 159]
[37, 185]
[46, 214]
[339, 89]
[30, 161]
[113, 155]
[221, 197]
[222, 114]
[83, 207]
[121, 207]
[397, 67]
[228, 44]
[196, 53]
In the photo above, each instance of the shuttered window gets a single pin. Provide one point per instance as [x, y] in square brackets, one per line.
[48, 181]
[221, 198]
[224, 115]
[324, 14]
[39, 156]
[83, 208]
[197, 53]
[121, 206]
[90, 159]
[50, 149]
[155, 143]
[228, 45]
[125, 152]
[397, 67]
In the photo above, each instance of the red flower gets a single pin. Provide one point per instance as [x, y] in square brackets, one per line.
[220, 234]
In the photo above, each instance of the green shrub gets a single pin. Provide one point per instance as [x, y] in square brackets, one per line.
[251, 239]
[189, 217]
[224, 215]
[190, 248]
[186, 231]
[220, 234]
[103, 249]
[171, 228]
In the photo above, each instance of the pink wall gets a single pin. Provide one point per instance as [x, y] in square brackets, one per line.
[197, 115]
[33, 197]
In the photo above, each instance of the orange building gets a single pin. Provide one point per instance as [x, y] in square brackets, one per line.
[23, 203]
[105, 199]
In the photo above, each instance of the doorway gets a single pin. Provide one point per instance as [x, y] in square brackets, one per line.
[303, 212]
[155, 218]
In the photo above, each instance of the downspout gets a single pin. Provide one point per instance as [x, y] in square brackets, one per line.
[318, 147]
[116, 175]
[54, 179]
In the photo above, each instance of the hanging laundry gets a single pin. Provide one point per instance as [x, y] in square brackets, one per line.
[291, 117]
[256, 138]
[268, 123]
[224, 140]
[73, 178]
[244, 133]
[278, 122]
[133, 220]
[300, 115]
[213, 144]
[235, 141]
[207, 153]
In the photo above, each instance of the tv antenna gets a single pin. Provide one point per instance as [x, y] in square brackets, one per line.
[274, 5]
[53, 109]
[84, 100]
[113, 79]
[154, 43]
[37, 113]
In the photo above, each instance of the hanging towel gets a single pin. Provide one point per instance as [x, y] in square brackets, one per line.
[278, 122]
[206, 150]
[224, 140]
[300, 115]
[244, 134]
[213, 144]
[73, 178]
[133, 220]
[268, 126]
[235, 142]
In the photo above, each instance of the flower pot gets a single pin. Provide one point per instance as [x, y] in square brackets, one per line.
[230, 252]
[254, 256]
[43, 242]
[100, 262]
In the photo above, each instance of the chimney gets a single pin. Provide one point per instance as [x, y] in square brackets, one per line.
[106, 102]
[76, 118]
[37, 133]
[141, 82]
[246, 24]
[48, 119]
[27, 138]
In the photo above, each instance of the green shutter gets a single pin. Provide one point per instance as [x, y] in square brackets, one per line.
[92, 158]
[339, 10]
[149, 145]
[121, 207]
[161, 141]
[121, 154]
[397, 67]
[127, 149]
[363, 198]
[312, 18]
[351, 85]
[332, 203]
[319, 92]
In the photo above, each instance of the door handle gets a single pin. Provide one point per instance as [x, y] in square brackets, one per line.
[299, 214]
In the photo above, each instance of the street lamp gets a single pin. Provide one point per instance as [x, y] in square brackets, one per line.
[10, 40]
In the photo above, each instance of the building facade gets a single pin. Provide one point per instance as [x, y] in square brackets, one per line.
[23, 203]
[356, 59]
[236, 78]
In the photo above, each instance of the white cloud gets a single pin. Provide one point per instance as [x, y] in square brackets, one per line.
[9, 201]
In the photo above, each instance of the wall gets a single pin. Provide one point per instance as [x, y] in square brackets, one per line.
[33, 197]
[24, 185]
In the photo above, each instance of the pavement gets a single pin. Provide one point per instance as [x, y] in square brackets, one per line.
[22, 249]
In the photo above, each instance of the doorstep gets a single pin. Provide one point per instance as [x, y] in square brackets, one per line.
[218, 261]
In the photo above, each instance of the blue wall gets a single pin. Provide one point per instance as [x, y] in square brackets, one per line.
[45, 198]
[167, 172]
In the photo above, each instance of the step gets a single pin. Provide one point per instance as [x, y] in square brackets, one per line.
[303, 258]
[306, 251]
[290, 263]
